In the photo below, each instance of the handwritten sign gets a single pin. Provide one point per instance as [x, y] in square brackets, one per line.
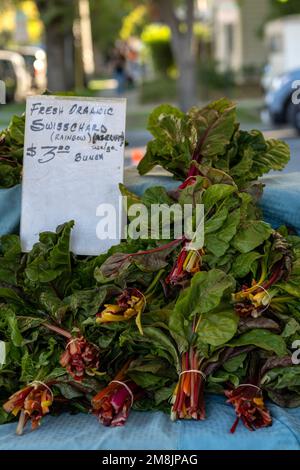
[73, 162]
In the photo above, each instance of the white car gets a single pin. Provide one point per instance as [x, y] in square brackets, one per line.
[36, 65]
[15, 76]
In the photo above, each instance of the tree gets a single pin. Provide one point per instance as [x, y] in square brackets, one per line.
[284, 7]
[183, 45]
[58, 18]
[107, 17]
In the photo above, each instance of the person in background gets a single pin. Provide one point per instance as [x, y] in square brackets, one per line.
[119, 66]
[132, 66]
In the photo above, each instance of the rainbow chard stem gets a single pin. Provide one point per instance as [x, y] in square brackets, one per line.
[188, 398]
[32, 402]
[252, 301]
[80, 358]
[197, 155]
[249, 406]
[187, 264]
[130, 304]
[58, 330]
[248, 402]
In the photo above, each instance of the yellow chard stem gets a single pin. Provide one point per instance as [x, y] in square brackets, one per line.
[245, 293]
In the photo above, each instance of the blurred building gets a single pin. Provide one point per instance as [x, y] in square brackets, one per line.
[20, 25]
[238, 46]
[282, 37]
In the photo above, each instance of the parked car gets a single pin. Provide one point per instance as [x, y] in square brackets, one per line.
[36, 65]
[14, 74]
[282, 37]
[281, 107]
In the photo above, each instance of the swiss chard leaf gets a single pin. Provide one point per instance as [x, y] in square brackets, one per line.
[177, 135]
[263, 339]
[217, 328]
[205, 294]
[251, 235]
[50, 258]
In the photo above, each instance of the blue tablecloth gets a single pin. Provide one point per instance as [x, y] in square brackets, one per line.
[281, 200]
[155, 431]
[10, 210]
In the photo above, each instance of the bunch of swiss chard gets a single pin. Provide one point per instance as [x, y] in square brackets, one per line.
[153, 324]
[11, 152]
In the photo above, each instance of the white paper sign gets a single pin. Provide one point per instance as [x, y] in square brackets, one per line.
[73, 163]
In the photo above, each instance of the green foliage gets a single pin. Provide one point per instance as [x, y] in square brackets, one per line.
[202, 297]
[58, 12]
[11, 152]
[211, 136]
[218, 327]
[158, 40]
[263, 339]
[211, 78]
[107, 19]
[134, 23]
[230, 309]
[158, 90]
[282, 384]
[281, 8]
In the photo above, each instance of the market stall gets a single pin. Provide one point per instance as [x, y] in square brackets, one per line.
[204, 335]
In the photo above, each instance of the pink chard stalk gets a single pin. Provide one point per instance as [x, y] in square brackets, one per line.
[189, 261]
[113, 404]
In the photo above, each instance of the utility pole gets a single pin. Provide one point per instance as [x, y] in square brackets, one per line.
[86, 38]
[84, 54]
